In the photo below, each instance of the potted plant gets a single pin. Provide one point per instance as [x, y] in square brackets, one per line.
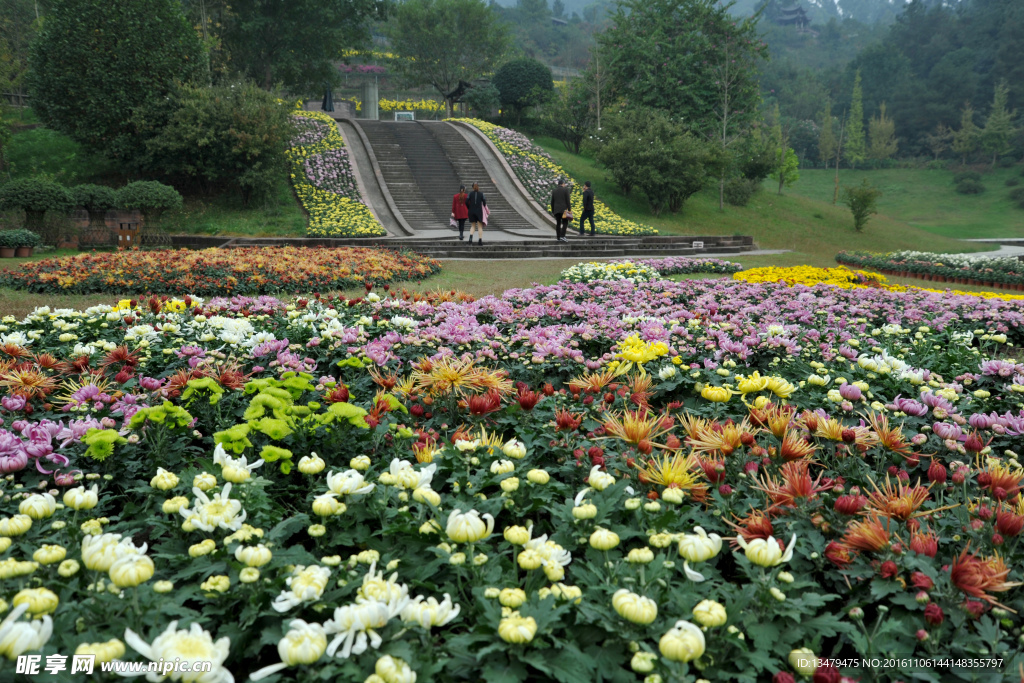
[24, 241]
[7, 245]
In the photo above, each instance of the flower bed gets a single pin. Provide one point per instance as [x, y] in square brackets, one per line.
[538, 173]
[843, 277]
[1002, 272]
[324, 182]
[684, 265]
[620, 270]
[253, 270]
[716, 479]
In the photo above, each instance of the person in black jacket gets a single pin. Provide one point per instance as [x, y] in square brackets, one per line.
[475, 204]
[561, 203]
[588, 208]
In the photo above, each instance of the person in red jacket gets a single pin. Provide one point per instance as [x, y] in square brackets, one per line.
[460, 212]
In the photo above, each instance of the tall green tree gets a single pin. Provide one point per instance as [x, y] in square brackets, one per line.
[95, 64]
[569, 115]
[523, 83]
[998, 130]
[295, 42]
[442, 42]
[690, 58]
[785, 165]
[855, 145]
[882, 135]
[826, 135]
[968, 137]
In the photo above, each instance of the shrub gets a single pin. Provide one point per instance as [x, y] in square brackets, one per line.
[35, 196]
[966, 175]
[482, 100]
[96, 199]
[149, 197]
[1012, 181]
[969, 187]
[221, 138]
[738, 191]
[1017, 194]
[95, 64]
[523, 83]
[863, 201]
[20, 238]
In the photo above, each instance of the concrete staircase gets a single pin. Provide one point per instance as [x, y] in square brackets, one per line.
[471, 170]
[407, 178]
[597, 247]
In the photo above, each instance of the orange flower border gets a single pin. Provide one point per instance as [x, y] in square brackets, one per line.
[220, 272]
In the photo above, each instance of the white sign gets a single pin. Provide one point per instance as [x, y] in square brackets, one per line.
[698, 245]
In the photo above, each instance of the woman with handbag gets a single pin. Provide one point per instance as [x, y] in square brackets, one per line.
[475, 204]
[459, 211]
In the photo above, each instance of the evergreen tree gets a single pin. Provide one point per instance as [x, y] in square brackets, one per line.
[882, 132]
[855, 146]
[827, 135]
[998, 130]
[94, 65]
[938, 142]
[965, 140]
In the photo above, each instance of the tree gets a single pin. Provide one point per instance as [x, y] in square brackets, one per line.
[95, 64]
[294, 42]
[421, 36]
[644, 149]
[998, 130]
[855, 147]
[826, 135]
[149, 197]
[785, 165]
[966, 140]
[523, 83]
[863, 202]
[482, 99]
[35, 196]
[938, 141]
[569, 115]
[96, 200]
[691, 58]
[219, 138]
[882, 133]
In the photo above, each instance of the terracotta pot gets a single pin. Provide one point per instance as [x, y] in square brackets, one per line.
[6, 252]
[22, 252]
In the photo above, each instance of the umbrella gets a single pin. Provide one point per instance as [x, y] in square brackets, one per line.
[328, 103]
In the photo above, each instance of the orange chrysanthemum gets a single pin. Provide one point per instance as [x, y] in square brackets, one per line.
[977, 577]
[754, 525]
[718, 437]
[635, 426]
[28, 383]
[891, 438]
[796, 485]
[869, 535]
[901, 501]
[774, 417]
[795, 447]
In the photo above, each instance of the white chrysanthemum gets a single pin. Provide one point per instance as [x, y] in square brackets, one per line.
[192, 646]
[306, 584]
[429, 612]
[348, 483]
[220, 511]
[18, 637]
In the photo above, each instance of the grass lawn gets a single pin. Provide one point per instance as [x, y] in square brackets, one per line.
[280, 215]
[811, 227]
[925, 199]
